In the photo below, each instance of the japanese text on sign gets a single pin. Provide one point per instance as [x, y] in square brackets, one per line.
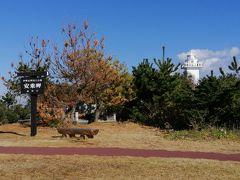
[32, 85]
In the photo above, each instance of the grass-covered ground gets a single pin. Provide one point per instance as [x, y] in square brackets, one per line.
[94, 167]
[123, 135]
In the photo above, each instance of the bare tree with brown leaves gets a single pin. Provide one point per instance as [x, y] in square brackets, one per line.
[93, 77]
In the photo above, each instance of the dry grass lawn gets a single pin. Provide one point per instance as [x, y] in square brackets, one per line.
[86, 167]
[124, 135]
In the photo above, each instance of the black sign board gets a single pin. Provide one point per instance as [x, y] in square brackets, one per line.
[32, 85]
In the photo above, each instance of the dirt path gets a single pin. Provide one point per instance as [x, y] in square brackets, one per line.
[118, 152]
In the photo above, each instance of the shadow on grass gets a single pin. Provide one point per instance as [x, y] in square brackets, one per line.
[10, 132]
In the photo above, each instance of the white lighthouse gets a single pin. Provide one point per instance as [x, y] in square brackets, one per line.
[191, 68]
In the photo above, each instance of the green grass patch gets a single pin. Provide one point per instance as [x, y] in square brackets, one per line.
[205, 134]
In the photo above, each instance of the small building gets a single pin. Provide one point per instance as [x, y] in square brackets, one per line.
[191, 68]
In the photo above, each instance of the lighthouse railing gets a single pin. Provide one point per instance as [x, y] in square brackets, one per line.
[185, 65]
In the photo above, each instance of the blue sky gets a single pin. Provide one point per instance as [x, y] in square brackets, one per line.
[133, 29]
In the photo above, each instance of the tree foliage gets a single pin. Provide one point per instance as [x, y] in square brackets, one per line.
[234, 66]
[162, 94]
[10, 111]
[39, 60]
[166, 99]
[92, 77]
[218, 98]
[80, 72]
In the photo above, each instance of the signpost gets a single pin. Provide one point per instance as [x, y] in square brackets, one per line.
[33, 83]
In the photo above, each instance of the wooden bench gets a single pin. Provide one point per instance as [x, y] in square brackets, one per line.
[71, 132]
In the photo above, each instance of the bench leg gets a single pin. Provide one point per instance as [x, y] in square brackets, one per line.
[64, 136]
[71, 135]
[82, 137]
[90, 136]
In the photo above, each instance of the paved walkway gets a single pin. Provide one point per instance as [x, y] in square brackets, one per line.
[118, 152]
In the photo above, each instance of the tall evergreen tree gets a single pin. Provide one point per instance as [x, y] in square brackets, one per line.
[162, 95]
[218, 100]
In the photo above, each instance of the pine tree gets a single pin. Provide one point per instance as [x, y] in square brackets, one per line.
[162, 95]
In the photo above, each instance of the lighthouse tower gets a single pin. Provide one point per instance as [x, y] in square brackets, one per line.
[191, 68]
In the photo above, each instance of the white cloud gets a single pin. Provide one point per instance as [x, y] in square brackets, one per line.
[212, 60]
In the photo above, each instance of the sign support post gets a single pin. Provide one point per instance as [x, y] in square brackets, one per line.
[33, 114]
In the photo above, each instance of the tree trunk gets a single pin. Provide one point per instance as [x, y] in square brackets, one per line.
[64, 113]
[98, 111]
[97, 114]
[73, 113]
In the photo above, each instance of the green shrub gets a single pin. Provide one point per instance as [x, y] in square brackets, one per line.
[23, 112]
[3, 117]
[54, 123]
[12, 116]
